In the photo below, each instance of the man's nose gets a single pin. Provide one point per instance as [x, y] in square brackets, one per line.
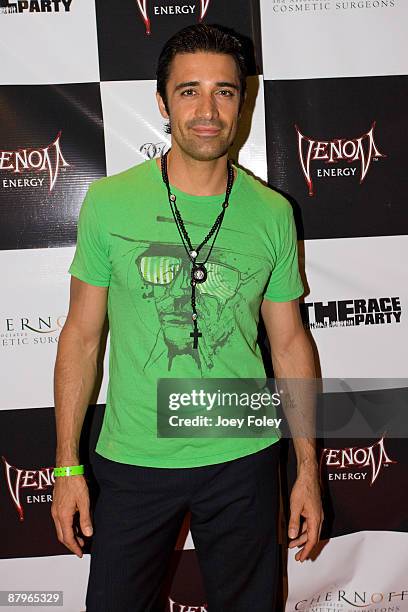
[207, 107]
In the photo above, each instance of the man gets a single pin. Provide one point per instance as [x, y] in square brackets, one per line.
[171, 315]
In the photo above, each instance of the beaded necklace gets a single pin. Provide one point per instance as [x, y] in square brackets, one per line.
[198, 270]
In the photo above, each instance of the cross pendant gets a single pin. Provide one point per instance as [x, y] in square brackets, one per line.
[195, 334]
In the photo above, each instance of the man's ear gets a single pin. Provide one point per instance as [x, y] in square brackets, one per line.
[161, 105]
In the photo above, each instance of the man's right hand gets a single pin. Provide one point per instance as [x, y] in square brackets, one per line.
[71, 495]
[76, 367]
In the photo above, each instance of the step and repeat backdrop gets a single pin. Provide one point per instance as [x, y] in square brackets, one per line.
[326, 124]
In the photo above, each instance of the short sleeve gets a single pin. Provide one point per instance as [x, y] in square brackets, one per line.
[91, 262]
[285, 282]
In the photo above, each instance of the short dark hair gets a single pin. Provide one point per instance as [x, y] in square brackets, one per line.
[202, 37]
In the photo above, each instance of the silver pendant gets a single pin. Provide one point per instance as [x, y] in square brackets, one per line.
[199, 273]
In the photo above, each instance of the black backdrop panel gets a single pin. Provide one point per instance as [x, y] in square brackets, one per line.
[362, 477]
[52, 147]
[351, 501]
[27, 451]
[326, 110]
[27, 460]
[127, 51]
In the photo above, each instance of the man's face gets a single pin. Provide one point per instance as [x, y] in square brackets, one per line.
[203, 95]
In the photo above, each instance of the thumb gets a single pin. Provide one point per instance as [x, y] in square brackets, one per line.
[85, 520]
[294, 523]
[86, 526]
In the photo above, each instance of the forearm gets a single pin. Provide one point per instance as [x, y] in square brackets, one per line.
[74, 380]
[296, 375]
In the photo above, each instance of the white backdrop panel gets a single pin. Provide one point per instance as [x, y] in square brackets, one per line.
[34, 305]
[351, 268]
[49, 47]
[333, 39]
[371, 563]
[66, 573]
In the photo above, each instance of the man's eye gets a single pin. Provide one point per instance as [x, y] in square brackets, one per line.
[187, 91]
[227, 92]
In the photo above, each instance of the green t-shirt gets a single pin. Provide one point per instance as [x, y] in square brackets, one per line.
[128, 241]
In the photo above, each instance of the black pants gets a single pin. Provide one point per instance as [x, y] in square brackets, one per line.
[234, 516]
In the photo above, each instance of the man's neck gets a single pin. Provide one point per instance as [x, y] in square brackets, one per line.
[196, 177]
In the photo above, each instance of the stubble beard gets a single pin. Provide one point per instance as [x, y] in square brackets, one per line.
[213, 149]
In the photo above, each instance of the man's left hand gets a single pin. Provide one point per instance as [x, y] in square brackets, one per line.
[305, 501]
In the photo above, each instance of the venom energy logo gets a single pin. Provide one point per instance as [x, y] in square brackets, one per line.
[33, 159]
[373, 456]
[170, 10]
[178, 607]
[34, 480]
[361, 149]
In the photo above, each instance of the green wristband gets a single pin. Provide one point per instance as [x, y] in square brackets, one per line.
[69, 470]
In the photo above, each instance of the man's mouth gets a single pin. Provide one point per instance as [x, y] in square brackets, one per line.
[203, 130]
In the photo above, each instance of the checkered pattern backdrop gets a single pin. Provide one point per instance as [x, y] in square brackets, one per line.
[326, 124]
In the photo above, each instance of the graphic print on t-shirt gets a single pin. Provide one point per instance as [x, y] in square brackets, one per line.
[159, 275]
[128, 242]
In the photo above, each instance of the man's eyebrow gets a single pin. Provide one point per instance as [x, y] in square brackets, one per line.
[218, 84]
[228, 84]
